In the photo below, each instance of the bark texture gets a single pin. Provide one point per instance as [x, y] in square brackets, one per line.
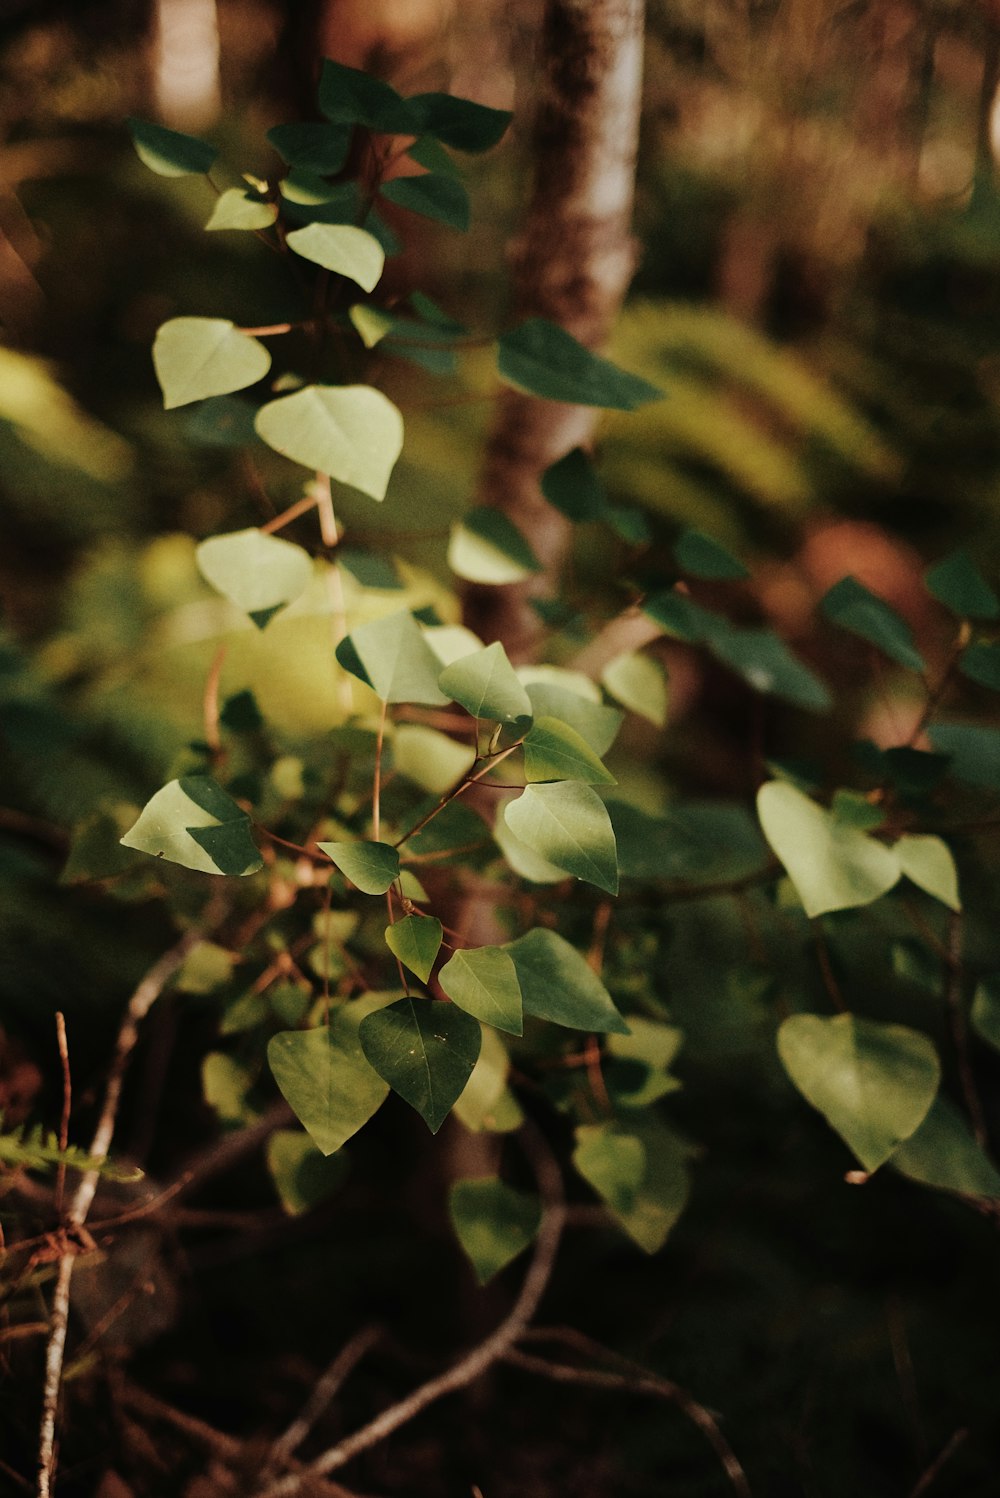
[572, 264]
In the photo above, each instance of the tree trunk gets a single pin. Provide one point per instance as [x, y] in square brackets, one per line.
[572, 264]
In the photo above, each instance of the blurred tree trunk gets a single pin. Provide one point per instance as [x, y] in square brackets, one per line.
[572, 263]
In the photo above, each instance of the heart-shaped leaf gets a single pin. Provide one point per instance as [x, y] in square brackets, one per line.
[613, 1162]
[351, 432]
[302, 1175]
[317, 148]
[567, 824]
[168, 152]
[832, 865]
[639, 683]
[393, 658]
[930, 865]
[433, 195]
[342, 248]
[425, 1050]
[193, 822]
[555, 751]
[242, 210]
[325, 1079]
[257, 572]
[486, 685]
[372, 867]
[195, 357]
[483, 981]
[459, 123]
[492, 1222]
[873, 1083]
[488, 548]
[415, 940]
[944, 1153]
[558, 984]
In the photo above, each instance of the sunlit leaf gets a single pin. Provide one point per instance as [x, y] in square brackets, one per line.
[195, 357]
[832, 865]
[483, 981]
[415, 940]
[555, 751]
[257, 572]
[193, 822]
[928, 862]
[873, 1083]
[395, 660]
[486, 685]
[488, 548]
[639, 683]
[352, 432]
[342, 248]
[239, 209]
[567, 823]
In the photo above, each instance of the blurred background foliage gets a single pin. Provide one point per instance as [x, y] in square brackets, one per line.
[818, 292]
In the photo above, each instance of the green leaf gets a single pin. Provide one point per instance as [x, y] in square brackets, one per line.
[371, 867]
[226, 1083]
[483, 981]
[487, 1102]
[325, 1079]
[525, 863]
[974, 752]
[199, 356]
[981, 663]
[543, 359]
[302, 1175]
[431, 154]
[567, 824]
[555, 751]
[985, 1016]
[168, 153]
[488, 548]
[702, 557]
[492, 1222]
[415, 940]
[193, 822]
[832, 865]
[854, 809]
[596, 723]
[681, 618]
[397, 662]
[957, 583]
[613, 1162]
[430, 759]
[558, 984]
[315, 148]
[426, 1050]
[240, 208]
[335, 202]
[205, 968]
[352, 432]
[486, 685]
[639, 683]
[853, 607]
[928, 862]
[459, 123]
[342, 248]
[434, 196]
[944, 1153]
[349, 97]
[572, 487]
[765, 663]
[873, 1083]
[257, 572]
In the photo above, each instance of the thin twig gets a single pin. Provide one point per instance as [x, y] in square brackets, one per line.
[300, 507]
[825, 966]
[210, 705]
[632, 1379]
[481, 1358]
[451, 795]
[323, 1393]
[67, 1081]
[948, 1451]
[142, 1000]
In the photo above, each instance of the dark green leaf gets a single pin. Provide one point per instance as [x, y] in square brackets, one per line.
[572, 486]
[316, 148]
[558, 984]
[944, 1153]
[543, 359]
[973, 749]
[957, 583]
[701, 556]
[767, 665]
[854, 607]
[426, 1050]
[985, 1015]
[493, 1223]
[302, 1175]
[981, 663]
[168, 153]
[432, 195]
[459, 123]
[349, 97]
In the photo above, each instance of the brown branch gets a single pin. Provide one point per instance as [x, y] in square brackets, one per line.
[139, 1005]
[67, 1082]
[482, 1357]
[926, 1478]
[632, 1379]
[321, 1397]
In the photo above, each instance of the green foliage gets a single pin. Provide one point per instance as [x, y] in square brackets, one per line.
[326, 1079]
[493, 1223]
[259, 573]
[425, 1050]
[567, 824]
[196, 357]
[353, 432]
[483, 981]
[193, 822]
[545, 360]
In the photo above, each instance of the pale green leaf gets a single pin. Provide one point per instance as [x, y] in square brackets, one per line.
[429, 758]
[195, 357]
[487, 1102]
[486, 685]
[257, 572]
[944, 1153]
[371, 866]
[488, 548]
[928, 862]
[523, 860]
[613, 1162]
[415, 940]
[639, 683]
[555, 751]
[205, 968]
[559, 696]
[397, 662]
[324, 1076]
[558, 984]
[832, 865]
[352, 432]
[342, 248]
[426, 1050]
[568, 825]
[193, 822]
[240, 209]
[873, 1083]
[483, 981]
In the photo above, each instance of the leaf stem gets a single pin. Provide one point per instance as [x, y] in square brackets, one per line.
[452, 795]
